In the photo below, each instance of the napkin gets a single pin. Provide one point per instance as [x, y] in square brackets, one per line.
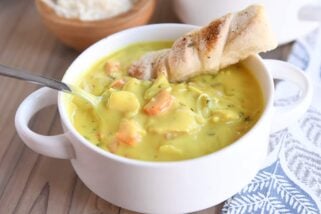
[290, 179]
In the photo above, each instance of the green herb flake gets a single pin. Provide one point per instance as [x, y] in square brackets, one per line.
[247, 119]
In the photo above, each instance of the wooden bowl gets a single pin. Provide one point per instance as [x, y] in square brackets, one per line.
[81, 34]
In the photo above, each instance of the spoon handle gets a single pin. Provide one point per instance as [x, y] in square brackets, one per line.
[51, 83]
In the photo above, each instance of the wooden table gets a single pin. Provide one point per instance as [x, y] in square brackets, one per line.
[29, 182]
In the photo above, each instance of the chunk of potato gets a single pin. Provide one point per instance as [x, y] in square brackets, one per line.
[181, 121]
[170, 150]
[160, 84]
[125, 102]
[225, 115]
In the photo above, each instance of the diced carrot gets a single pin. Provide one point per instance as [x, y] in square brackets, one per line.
[129, 133]
[160, 103]
[117, 84]
[111, 66]
[124, 137]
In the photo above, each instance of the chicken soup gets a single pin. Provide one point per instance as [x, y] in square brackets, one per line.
[156, 120]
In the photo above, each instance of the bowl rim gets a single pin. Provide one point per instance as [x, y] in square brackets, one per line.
[139, 7]
[268, 104]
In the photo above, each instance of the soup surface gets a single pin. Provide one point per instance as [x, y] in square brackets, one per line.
[161, 121]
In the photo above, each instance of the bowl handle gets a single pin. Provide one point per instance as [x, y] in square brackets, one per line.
[281, 70]
[57, 146]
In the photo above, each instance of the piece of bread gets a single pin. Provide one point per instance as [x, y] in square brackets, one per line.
[223, 42]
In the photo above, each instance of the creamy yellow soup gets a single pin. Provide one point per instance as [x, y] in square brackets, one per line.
[161, 121]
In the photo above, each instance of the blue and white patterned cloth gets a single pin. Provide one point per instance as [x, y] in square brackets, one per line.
[290, 180]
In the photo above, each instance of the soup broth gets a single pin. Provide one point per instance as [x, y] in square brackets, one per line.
[155, 120]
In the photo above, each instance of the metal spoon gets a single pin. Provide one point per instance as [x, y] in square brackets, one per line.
[60, 86]
[51, 83]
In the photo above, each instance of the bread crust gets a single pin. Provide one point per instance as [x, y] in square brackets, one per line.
[223, 42]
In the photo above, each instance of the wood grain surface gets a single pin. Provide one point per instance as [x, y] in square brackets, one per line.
[29, 182]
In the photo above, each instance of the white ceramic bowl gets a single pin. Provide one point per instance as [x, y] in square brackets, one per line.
[166, 187]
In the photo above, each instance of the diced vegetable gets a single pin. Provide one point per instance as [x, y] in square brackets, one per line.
[160, 84]
[161, 103]
[112, 67]
[129, 132]
[225, 115]
[170, 150]
[113, 146]
[125, 102]
[81, 103]
[118, 84]
[132, 85]
[182, 121]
